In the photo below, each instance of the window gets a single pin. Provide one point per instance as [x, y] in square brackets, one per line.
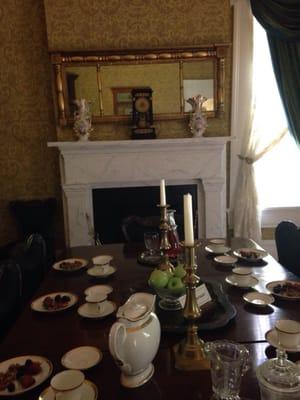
[277, 172]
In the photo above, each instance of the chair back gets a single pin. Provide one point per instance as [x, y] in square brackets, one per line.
[134, 227]
[37, 216]
[10, 293]
[287, 237]
[33, 264]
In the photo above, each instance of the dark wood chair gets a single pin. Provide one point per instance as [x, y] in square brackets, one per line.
[134, 227]
[287, 237]
[32, 261]
[37, 216]
[10, 294]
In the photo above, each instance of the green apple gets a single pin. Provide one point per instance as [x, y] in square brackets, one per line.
[175, 284]
[180, 272]
[169, 273]
[158, 279]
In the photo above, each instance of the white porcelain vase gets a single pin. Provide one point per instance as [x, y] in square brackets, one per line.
[82, 120]
[198, 122]
[134, 339]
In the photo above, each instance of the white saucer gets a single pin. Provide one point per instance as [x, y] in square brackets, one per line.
[97, 271]
[258, 299]
[217, 248]
[272, 338]
[82, 358]
[234, 281]
[105, 289]
[83, 311]
[226, 260]
[89, 392]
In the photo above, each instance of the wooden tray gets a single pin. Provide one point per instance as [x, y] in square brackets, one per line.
[215, 314]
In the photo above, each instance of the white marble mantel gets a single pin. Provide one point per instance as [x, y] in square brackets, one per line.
[85, 166]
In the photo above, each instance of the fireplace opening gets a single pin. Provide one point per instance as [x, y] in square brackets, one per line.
[114, 205]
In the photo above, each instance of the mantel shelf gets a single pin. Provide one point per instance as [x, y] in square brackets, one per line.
[150, 144]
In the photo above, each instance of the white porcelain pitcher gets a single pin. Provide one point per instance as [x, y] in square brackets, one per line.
[134, 339]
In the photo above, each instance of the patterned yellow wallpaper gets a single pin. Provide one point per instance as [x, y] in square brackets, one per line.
[121, 24]
[28, 169]
[118, 24]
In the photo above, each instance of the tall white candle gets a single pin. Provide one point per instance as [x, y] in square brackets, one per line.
[162, 193]
[188, 220]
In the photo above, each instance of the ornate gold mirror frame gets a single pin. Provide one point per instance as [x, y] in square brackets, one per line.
[181, 56]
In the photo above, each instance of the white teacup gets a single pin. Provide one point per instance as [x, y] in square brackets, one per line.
[67, 385]
[100, 270]
[242, 275]
[96, 302]
[103, 262]
[288, 332]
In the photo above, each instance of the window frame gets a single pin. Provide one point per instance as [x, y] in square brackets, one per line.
[241, 90]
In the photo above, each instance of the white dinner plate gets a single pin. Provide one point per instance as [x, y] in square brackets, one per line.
[250, 254]
[37, 304]
[234, 281]
[97, 271]
[59, 266]
[258, 299]
[89, 392]
[217, 248]
[225, 260]
[98, 289]
[85, 312]
[82, 358]
[271, 285]
[46, 371]
[272, 338]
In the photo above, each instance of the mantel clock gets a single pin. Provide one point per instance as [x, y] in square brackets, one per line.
[142, 114]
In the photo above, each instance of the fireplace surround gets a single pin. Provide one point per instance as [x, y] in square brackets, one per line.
[113, 206]
[85, 166]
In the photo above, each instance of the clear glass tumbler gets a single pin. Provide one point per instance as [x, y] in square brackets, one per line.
[151, 240]
[229, 361]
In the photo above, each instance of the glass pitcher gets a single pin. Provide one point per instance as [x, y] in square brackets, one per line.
[173, 235]
[229, 361]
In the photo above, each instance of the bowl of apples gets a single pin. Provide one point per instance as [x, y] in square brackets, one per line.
[169, 286]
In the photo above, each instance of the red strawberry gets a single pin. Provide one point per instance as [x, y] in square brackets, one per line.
[27, 381]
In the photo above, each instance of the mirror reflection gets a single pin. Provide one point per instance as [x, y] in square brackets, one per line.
[82, 84]
[119, 80]
[107, 79]
[198, 77]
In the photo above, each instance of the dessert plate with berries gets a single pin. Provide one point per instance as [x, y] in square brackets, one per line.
[286, 289]
[54, 302]
[23, 373]
[250, 254]
[70, 264]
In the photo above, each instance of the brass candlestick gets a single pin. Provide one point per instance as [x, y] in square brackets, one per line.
[189, 353]
[165, 264]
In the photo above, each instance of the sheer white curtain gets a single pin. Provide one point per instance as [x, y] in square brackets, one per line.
[260, 133]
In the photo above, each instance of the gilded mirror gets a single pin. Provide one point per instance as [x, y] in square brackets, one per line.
[106, 79]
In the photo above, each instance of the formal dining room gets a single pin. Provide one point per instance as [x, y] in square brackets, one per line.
[149, 205]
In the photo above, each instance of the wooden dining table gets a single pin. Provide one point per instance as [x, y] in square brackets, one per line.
[52, 335]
